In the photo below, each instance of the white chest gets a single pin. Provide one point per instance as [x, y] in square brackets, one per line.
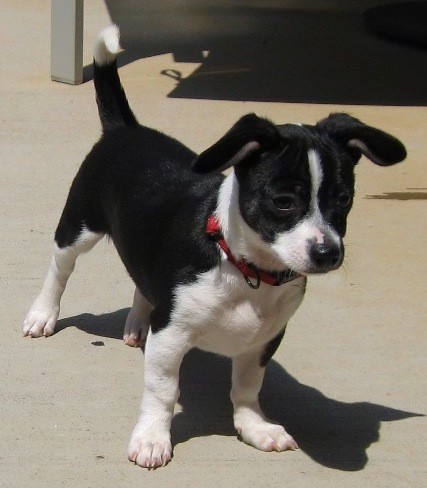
[227, 317]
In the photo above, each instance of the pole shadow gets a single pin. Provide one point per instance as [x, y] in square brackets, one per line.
[333, 433]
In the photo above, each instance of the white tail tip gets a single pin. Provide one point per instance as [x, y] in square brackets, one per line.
[107, 46]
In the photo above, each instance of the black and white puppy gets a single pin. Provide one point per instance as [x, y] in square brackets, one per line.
[220, 263]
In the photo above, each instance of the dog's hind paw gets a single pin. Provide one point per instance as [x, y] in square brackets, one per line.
[40, 321]
[136, 330]
[150, 453]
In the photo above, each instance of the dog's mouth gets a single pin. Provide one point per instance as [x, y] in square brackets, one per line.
[293, 271]
[319, 270]
[314, 261]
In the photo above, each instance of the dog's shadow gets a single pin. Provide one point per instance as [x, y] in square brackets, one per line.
[333, 433]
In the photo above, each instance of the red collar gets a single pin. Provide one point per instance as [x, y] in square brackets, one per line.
[213, 229]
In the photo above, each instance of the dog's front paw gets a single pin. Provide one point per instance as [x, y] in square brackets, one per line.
[150, 449]
[266, 436]
[40, 320]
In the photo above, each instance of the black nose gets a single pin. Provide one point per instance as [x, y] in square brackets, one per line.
[326, 256]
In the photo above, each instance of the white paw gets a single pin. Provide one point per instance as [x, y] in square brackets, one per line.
[40, 320]
[150, 449]
[267, 437]
[136, 330]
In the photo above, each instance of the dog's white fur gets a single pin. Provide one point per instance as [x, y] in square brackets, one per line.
[107, 45]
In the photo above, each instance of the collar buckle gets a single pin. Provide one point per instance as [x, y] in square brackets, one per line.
[257, 283]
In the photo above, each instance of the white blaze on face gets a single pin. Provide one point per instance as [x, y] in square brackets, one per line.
[293, 246]
[316, 180]
[316, 172]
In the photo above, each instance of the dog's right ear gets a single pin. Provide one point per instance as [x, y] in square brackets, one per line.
[249, 135]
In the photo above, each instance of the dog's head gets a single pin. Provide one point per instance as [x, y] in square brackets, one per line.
[287, 203]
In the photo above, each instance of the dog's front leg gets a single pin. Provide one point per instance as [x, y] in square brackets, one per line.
[150, 444]
[249, 420]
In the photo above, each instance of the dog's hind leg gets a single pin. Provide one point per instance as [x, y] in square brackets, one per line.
[43, 314]
[138, 321]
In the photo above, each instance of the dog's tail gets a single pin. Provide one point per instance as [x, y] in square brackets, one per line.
[113, 107]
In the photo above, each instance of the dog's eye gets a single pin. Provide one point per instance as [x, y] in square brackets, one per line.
[284, 203]
[344, 199]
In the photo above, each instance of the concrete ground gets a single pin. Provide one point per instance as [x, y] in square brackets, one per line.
[348, 379]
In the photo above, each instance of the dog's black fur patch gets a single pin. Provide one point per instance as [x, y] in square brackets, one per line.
[131, 187]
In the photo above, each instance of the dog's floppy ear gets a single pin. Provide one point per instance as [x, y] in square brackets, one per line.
[249, 135]
[378, 146]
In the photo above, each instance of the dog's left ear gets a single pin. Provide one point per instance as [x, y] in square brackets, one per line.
[378, 146]
[249, 135]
